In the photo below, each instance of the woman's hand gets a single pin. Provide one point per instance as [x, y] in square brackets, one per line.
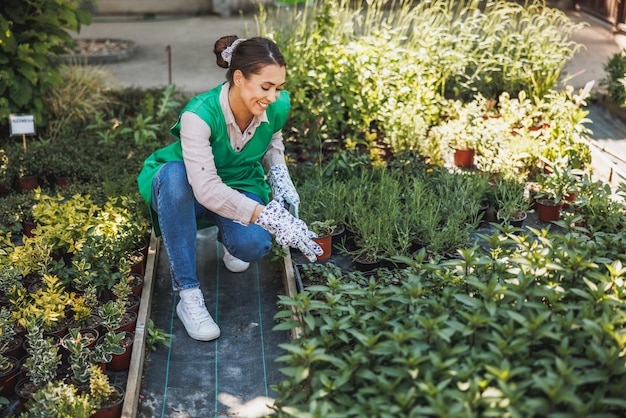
[288, 230]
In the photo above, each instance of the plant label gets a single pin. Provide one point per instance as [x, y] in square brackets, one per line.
[22, 124]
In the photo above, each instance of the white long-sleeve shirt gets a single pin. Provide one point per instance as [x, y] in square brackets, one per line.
[208, 187]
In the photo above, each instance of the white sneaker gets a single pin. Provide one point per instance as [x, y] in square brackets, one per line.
[232, 263]
[198, 322]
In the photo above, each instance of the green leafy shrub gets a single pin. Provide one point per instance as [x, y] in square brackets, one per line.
[33, 34]
[59, 399]
[615, 69]
[369, 72]
[519, 328]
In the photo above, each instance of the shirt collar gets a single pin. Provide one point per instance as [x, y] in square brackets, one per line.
[228, 113]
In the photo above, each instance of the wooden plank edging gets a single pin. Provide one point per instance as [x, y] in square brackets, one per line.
[135, 370]
[289, 282]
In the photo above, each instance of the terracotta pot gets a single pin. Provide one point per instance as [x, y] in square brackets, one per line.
[60, 330]
[63, 181]
[137, 283]
[143, 248]
[547, 211]
[24, 389]
[133, 303]
[326, 242]
[9, 377]
[28, 227]
[122, 361]
[128, 323]
[138, 265]
[92, 335]
[570, 199]
[464, 158]
[27, 183]
[94, 322]
[15, 347]
[114, 410]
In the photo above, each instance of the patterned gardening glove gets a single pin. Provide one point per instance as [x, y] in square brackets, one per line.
[288, 230]
[282, 186]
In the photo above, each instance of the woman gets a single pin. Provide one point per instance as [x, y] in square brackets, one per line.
[214, 174]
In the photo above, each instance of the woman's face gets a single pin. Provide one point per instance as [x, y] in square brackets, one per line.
[259, 90]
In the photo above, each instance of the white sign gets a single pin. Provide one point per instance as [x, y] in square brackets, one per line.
[22, 124]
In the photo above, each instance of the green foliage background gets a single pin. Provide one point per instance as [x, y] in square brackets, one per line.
[374, 71]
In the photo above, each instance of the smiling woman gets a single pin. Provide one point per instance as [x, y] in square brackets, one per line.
[229, 140]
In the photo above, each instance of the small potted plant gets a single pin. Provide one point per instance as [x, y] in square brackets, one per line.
[62, 220]
[27, 165]
[43, 360]
[459, 136]
[61, 166]
[10, 341]
[324, 231]
[83, 310]
[462, 131]
[555, 187]
[49, 301]
[108, 397]
[16, 213]
[9, 374]
[60, 399]
[78, 343]
[107, 347]
[511, 205]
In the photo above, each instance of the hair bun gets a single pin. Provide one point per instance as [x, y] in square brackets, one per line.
[227, 54]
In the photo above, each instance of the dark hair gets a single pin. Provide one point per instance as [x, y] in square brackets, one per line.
[249, 56]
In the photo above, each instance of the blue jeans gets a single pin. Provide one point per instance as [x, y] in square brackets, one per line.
[177, 208]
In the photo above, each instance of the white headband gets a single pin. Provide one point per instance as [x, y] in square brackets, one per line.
[227, 54]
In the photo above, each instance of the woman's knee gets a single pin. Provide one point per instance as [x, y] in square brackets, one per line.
[172, 181]
[251, 247]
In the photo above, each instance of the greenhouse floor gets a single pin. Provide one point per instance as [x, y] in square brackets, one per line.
[231, 376]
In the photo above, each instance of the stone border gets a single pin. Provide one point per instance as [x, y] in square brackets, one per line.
[126, 54]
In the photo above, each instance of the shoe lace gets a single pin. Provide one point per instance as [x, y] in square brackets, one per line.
[197, 309]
